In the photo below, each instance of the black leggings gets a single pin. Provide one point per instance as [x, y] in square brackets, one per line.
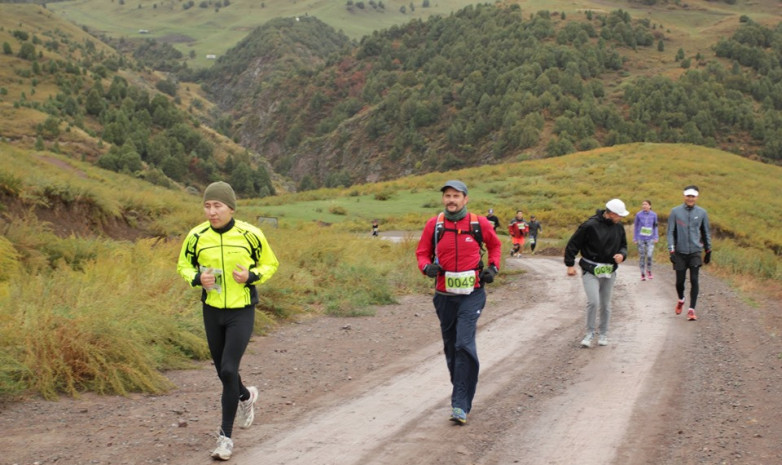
[694, 288]
[228, 332]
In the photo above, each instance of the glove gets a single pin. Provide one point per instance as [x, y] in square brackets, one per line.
[707, 257]
[432, 270]
[488, 274]
[671, 256]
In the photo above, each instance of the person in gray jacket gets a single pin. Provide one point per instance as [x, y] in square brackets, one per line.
[688, 236]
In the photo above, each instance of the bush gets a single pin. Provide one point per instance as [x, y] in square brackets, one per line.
[167, 87]
[383, 195]
[27, 51]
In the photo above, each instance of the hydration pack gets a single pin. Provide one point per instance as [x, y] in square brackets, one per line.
[475, 229]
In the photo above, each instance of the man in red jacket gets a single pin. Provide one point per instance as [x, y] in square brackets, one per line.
[450, 250]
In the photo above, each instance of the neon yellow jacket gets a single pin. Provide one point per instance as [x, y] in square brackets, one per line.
[237, 243]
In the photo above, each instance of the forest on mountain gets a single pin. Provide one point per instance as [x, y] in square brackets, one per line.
[490, 84]
[74, 95]
[301, 103]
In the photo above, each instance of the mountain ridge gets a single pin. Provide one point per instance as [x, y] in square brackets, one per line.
[409, 100]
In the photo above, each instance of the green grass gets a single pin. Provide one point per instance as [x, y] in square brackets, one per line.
[562, 191]
[208, 32]
[44, 178]
[93, 314]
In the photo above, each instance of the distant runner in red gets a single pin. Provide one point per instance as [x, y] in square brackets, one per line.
[518, 230]
[450, 250]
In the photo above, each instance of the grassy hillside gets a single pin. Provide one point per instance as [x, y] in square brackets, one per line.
[89, 296]
[213, 31]
[740, 194]
[64, 90]
[80, 311]
[480, 86]
[89, 300]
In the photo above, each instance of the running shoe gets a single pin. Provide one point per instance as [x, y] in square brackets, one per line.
[225, 447]
[649, 275]
[679, 306]
[643, 277]
[587, 341]
[458, 416]
[246, 412]
[691, 315]
[602, 340]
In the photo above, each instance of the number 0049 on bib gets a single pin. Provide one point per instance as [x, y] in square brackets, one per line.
[460, 282]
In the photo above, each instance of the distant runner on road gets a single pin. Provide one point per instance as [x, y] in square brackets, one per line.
[450, 250]
[645, 235]
[534, 228]
[518, 229]
[688, 235]
[493, 218]
[602, 243]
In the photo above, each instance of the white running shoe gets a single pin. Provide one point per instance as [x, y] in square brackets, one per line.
[246, 410]
[602, 340]
[225, 447]
[587, 341]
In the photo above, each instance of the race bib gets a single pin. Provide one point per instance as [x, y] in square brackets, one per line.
[603, 270]
[218, 286]
[460, 282]
[646, 231]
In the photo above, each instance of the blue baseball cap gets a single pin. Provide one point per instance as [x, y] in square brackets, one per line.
[453, 184]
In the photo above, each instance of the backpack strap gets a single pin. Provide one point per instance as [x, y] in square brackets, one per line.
[439, 228]
[475, 230]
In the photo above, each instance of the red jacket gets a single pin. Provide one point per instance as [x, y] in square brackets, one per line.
[458, 251]
[518, 228]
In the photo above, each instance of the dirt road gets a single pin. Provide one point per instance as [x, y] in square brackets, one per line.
[375, 390]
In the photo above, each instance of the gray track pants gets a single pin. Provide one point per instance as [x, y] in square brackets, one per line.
[645, 254]
[598, 292]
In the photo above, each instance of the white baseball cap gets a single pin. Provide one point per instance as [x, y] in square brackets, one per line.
[691, 191]
[617, 206]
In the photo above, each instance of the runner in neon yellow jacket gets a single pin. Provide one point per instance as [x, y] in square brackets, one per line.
[224, 250]
[227, 258]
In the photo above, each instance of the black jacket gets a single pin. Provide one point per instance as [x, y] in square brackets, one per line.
[598, 239]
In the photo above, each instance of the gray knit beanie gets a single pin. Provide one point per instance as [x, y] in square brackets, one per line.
[221, 191]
